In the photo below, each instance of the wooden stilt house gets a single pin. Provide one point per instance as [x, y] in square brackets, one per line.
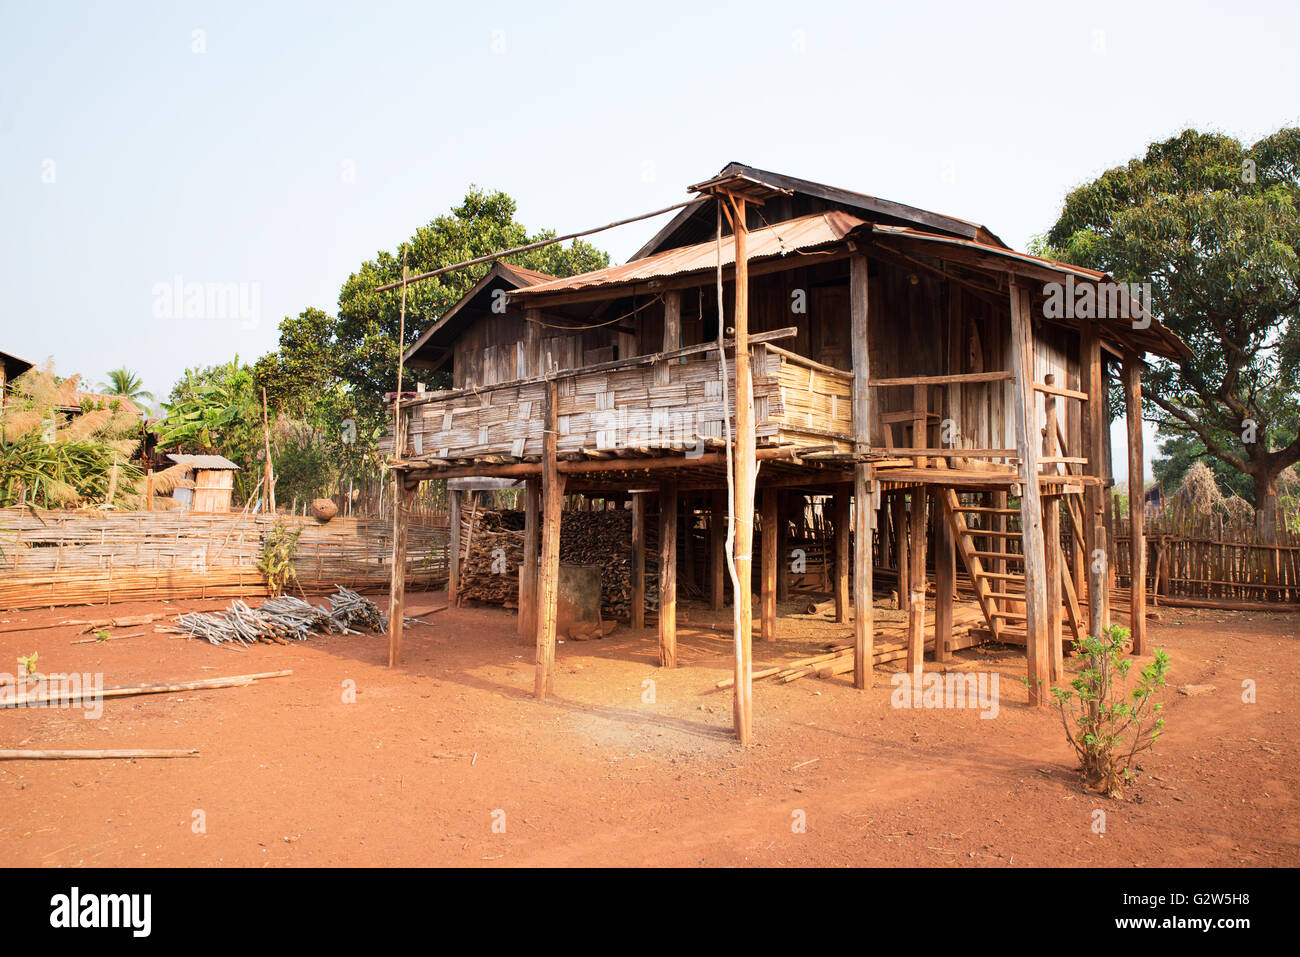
[909, 364]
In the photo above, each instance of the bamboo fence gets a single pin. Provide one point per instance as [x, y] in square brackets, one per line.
[52, 558]
[1212, 558]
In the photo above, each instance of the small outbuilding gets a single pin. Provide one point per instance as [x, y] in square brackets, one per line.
[214, 480]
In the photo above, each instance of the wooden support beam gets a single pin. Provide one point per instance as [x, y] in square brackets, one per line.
[1052, 545]
[864, 637]
[1031, 508]
[843, 553]
[1136, 502]
[746, 468]
[528, 567]
[1093, 447]
[638, 560]
[902, 561]
[945, 580]
[1098, 584]
[552, 508]
[672, 340]
[453, 546]
[668, 575]
[768, 570]
[863, 616]
[915, 597]
[785, 511]
[397, 589]
[717, 550]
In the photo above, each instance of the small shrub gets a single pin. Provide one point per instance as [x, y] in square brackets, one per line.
[278, 551]
[1111, 724]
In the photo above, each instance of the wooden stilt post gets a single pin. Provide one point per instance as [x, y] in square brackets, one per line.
[1093, 449]
[397, 590]
[1136, 504]
[898, 506]
[746, 474]
[784, 512]
[1097, 583]
[843, 552]
[945, 581]
[453, 546]
[717, 550]
[528, 566]
[1052, 543]
[668, 574]
[1031, 508]
[767, 589]
[552, 508]
[863, 615]
[686, 526]
[916, 584]
[638, 559]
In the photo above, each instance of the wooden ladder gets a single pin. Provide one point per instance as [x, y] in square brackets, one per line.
[992, 598]
[994, 590]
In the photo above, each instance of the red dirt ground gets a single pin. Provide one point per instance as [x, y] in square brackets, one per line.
[432, 754]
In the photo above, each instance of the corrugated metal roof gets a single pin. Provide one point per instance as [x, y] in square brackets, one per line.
[203, 461]
[777, 239]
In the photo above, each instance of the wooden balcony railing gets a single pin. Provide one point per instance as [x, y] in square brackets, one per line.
[644, 405]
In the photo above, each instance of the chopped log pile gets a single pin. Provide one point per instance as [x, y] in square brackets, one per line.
[494, 543]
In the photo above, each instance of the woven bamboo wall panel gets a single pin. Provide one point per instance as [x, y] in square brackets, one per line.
[667, 405]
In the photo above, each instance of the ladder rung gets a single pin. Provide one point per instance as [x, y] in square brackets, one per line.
[1004, 576]
[1008, 615]
[977, 532]
[987, 511]
[1017, 595]
[1003, 555]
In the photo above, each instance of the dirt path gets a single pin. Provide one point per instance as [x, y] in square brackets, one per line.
[434, 759]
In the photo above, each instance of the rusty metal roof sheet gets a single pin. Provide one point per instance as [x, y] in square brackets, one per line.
[203, 461]
[777, 239]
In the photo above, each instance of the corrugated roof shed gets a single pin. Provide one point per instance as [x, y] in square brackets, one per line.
[203, 461]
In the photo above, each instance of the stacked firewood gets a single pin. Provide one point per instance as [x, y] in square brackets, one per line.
[490, 573]
[601, 538]
[605, 539]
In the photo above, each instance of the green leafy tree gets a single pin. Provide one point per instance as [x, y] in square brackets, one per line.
[216, 410]
[367, 329]
[1213, 227]
[1179, 452]
[305, 364]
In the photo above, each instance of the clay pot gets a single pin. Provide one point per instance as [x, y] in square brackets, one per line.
[323, 509]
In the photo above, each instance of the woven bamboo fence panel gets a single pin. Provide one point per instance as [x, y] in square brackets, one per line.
[75, 557]
[1212, 557]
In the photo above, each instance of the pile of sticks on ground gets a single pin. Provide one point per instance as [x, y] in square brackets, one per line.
[284, 619]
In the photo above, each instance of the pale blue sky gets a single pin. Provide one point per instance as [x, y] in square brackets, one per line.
[229, 165]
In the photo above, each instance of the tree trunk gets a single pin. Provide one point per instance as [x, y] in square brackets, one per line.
[1266, 507]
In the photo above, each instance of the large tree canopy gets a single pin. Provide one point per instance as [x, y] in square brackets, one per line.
[1214, 228]
[328, 377]
[368, 321]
